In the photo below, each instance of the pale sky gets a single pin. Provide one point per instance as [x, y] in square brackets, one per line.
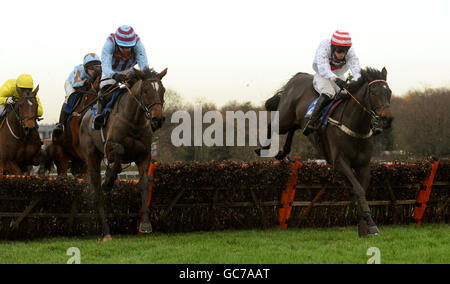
[226, 50]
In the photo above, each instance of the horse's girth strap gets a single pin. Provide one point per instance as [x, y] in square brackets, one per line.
[348, 131]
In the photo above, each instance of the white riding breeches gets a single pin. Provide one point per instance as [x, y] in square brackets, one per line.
[69, 90]
[326, 86]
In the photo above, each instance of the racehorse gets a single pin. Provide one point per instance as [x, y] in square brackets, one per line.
[65, 149]
[20, 143]
[126, 138]
[345, 140]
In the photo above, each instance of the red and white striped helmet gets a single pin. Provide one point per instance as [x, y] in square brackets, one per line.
[341, 38]
[125, 36]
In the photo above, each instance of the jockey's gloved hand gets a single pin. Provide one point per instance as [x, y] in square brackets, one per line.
[10, 100]
[341, 83]
[120, 78]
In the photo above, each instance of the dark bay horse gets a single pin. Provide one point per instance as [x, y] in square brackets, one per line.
[345, 141]
[20, 143]
[65, 149]
[126, 138]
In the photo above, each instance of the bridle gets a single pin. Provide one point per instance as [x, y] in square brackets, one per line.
[20, 119]
[371, 112]
[147, 109]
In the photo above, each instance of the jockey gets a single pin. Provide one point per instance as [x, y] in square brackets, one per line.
[333, 59]
[81, 77]
[13, 87]
[121, 52]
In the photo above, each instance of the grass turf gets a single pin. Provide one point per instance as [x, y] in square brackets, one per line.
[397, 244]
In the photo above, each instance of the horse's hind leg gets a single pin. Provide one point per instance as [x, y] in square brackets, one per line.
[287, 145]
[283, 129]
[367, 225]
[269, 136]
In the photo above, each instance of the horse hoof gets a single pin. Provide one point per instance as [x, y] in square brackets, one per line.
[363, 229]
[107, 238]
[145, 228]
[373, 231]
[280, 156]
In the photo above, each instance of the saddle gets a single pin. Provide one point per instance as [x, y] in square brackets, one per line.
[110, 104]
[326, 111]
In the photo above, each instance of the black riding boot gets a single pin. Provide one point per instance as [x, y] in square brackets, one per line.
[63, 116]
[313, 123]
[99, 119]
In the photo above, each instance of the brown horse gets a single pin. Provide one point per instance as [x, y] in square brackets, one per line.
[126, 138]
[65, 150]
[345, 140]
[20, 143]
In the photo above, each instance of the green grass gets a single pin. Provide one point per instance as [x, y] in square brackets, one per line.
[397, 244]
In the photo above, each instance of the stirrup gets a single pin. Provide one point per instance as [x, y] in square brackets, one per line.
[99, 121]
[308, 128]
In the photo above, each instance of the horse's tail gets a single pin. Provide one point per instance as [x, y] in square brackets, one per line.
[272, 103]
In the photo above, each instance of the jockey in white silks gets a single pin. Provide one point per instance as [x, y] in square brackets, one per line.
[121, 52]
[333, 59]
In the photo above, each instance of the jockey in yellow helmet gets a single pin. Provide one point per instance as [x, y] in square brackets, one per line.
[12, 88]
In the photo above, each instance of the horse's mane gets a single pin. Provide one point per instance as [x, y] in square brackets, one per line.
[147, 73]
[367, 75]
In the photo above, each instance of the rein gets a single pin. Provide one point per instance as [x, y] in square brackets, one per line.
[10, 130]
[19, 119]
[347, 130]
[370, 112]
[147, 109]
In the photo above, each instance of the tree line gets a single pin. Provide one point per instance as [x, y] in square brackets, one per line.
[421, 128]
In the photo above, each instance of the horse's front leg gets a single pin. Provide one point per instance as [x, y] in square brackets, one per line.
[363, 176]
[114, 154]
[12, 168]
[145, 225]
[366, 225]
[94, 162]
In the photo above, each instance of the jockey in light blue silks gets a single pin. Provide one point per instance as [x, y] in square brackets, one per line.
[121, 52]
[79, 79]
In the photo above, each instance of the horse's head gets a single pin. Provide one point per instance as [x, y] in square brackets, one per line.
[149, 91]
[91, 93]
[26, 108]
[379, 95]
